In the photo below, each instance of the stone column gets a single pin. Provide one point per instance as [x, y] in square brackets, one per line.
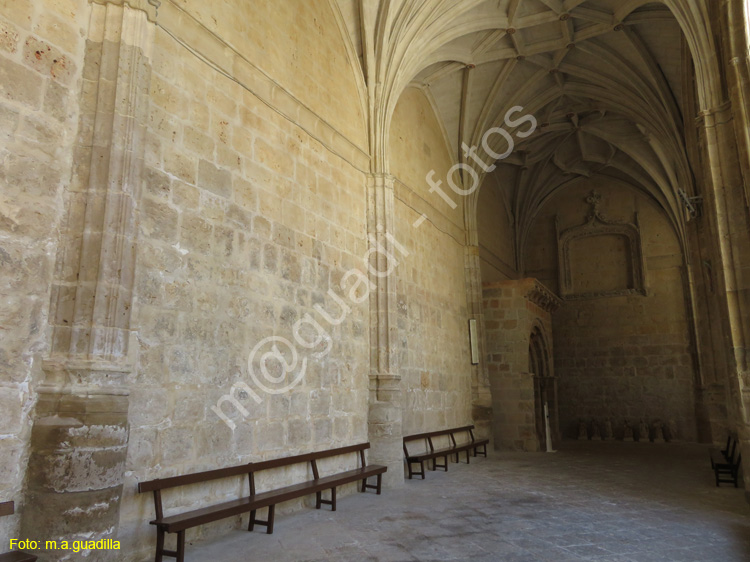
[481, 396]
[738, 80]
[80, 434]
[386, 395]
[726, 209]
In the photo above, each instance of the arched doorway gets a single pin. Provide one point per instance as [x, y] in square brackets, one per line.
[545, 388]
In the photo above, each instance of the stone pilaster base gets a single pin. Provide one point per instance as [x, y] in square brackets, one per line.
[385, 428]
[74, 479]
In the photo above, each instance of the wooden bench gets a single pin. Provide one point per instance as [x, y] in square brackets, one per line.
[725, 454]
[8, 508]
[726, 463]
[179, 523]
[452, 448]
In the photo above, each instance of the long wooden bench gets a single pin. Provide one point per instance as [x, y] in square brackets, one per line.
[180, 522]
[453, 447]
[8, 508]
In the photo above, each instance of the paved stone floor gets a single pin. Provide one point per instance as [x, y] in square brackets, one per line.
[589, 501]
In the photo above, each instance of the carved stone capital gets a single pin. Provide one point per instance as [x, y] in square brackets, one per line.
[710, 117]
[149, 7]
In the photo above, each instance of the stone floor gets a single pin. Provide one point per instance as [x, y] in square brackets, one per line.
[589, 501]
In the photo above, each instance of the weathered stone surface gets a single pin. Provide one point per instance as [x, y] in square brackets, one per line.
[48, 60]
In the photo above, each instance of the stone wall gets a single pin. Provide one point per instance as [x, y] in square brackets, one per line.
[621, 356]
[299, 44]
[248, 224]
[433, 345]
[41, 54]
[496, 232]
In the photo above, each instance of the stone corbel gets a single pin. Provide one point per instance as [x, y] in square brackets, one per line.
[541, 296]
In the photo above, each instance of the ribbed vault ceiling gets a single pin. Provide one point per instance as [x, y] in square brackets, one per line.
[604, 78]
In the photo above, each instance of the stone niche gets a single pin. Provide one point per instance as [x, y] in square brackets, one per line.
[518, 327]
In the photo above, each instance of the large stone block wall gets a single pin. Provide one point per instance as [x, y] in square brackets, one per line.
[41, 53]
[299, 45]
[512, 312]
[247, 223]
[627, 356]
[433, 344]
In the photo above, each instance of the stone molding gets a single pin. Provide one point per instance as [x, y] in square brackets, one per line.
[85, 377]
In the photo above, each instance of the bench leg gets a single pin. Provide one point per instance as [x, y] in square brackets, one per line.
[468, 457]
[268, 524]
[421, 464]
[271, 512]
[159, 545]
[435, 464]
[181, 546]
[364, 485]
[320, 501]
